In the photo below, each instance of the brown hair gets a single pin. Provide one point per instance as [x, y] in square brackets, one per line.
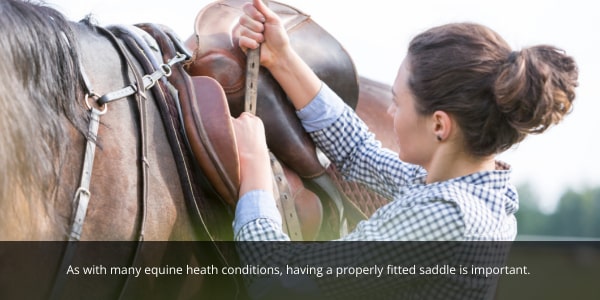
[496, 95]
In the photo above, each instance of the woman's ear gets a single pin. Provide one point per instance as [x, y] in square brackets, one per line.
[442, 125]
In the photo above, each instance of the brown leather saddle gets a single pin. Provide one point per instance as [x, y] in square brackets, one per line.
[211, 89]
[206, 123]
[217, 54]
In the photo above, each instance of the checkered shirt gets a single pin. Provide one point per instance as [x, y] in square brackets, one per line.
[477, 207]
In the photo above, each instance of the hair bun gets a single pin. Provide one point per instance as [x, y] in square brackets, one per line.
[536, 88]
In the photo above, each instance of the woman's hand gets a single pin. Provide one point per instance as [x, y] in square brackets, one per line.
[260, 25]
[255, 165]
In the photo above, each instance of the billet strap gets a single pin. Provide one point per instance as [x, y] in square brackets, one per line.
[285, 201]
[252, 68]
[283, 196]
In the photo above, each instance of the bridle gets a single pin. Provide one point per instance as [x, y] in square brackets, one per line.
[82, 195]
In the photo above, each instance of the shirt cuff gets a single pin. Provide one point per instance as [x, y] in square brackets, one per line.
[256, 204]
[322, 111]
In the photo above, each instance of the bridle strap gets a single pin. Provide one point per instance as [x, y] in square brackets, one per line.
[82, 195]
[144, 166]
[148, 81]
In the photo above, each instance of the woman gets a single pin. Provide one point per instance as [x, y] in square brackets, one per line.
[461, 97]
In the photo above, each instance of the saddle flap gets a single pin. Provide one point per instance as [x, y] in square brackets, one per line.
[210, 133]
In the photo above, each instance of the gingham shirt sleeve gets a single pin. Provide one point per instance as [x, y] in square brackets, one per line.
[347, 142]
[257, 218]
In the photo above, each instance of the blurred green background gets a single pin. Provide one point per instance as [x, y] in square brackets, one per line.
[576, 216]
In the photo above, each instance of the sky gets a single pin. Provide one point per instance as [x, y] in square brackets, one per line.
[376, 33]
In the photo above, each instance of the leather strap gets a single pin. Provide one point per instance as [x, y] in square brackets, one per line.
[252, 68]
[283, 195]
[141, 84]
[82, 195]
[285, 201]
[185, 86]
[148, 81]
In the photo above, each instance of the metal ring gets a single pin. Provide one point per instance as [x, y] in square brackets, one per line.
[95, 96]
[167, 71]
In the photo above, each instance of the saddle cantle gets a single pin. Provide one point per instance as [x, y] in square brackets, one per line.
[217, 54]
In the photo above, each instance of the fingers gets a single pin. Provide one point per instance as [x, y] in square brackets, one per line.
[253, 12]
[268, 14]
[248, 123]
[260, 14]
[252, 20]
[258, 25]
[248, 43]
[250, 137]
[251, 31]
[248, 116]
[252, 28]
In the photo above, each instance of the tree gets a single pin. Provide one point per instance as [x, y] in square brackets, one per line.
[577, 214]
[530, 219]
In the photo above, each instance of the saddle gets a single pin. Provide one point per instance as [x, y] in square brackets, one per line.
[206, 123]
[217, 55]
[211, 89]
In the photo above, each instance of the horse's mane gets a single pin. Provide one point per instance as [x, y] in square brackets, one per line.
[39, 94]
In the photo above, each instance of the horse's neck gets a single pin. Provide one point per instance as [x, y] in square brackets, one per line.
[115, 192]
[40, 214]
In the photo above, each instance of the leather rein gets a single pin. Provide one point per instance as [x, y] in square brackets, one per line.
[82, 195]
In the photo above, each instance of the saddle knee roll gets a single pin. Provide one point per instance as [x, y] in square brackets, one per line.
[212, 139]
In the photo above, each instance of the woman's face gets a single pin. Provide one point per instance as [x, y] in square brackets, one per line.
[412, 130]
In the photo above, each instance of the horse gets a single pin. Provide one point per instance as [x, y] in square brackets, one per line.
[52, 71]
